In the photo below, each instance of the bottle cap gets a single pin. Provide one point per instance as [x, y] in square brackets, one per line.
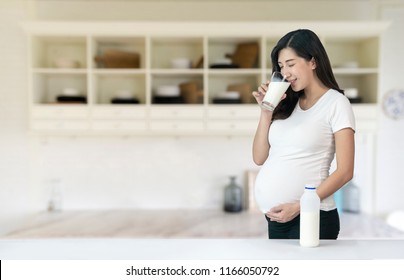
[309, 187]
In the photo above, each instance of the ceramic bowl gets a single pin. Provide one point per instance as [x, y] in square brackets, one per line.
[168, 90]
[180, 63]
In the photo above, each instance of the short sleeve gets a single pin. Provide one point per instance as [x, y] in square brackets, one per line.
[342, 115]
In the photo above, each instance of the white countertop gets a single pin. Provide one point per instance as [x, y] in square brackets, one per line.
[198, 249]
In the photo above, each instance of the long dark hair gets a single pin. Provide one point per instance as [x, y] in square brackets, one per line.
[307, 45]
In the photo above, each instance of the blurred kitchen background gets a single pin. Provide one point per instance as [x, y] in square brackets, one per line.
[173, 184]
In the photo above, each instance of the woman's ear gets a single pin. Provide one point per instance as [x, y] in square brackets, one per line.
[313, 63]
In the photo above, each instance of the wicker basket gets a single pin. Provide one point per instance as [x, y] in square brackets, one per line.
[190, 92]
[112, 58]
[246, 55]
[245, 92]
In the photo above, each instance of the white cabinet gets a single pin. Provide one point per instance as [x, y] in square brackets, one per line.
[118, 119]
[102, 77]
[49, 118]
[118, 125]
[232, 119]
[177, 112]
[59, 112]
[356, 64]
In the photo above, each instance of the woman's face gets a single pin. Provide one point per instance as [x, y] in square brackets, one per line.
[297, 70]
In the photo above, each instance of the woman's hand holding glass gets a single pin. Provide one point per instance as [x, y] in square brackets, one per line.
[261, 91]
[269, 94]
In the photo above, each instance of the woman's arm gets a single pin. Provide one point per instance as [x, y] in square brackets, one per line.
[261, 145]
[345, 156]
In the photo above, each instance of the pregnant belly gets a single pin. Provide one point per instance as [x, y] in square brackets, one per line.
[280, 183]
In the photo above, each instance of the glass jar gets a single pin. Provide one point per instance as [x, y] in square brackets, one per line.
[233, 196]
[55, 199]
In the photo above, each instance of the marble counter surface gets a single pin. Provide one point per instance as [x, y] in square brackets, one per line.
[174, 224]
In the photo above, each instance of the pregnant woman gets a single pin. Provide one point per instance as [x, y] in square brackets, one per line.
[297, 141]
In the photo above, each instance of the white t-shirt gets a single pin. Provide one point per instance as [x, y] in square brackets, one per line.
[302, 149]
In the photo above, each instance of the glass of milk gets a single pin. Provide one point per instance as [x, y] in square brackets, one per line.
[277, 87]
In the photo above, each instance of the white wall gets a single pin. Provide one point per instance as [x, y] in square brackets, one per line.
[221, 10]
[141, 172]
[107, 172]
[390, 180]
[14, 143]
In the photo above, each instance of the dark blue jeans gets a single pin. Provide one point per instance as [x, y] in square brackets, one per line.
[329, 227]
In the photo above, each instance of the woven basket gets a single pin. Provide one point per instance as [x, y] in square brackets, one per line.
[246, 55]
[245, 92]
[190, 92]
[118, 59]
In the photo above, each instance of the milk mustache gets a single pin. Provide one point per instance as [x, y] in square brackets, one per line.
[309, 217]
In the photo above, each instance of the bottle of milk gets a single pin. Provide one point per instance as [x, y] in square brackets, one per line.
[309, 217]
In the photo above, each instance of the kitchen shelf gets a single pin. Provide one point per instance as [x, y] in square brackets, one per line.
[55, 51]
[165, 49]
[63, 55]
[130, 44]
[108, 86]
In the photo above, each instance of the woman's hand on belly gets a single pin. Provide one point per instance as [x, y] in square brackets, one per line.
[284, 212]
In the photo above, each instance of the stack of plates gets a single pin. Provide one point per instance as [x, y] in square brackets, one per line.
[228, 97]
[168, 94]
[168, 91]
[352, 95]
[124, 96]
[70, 92]
[71, 95]
[223, 64]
